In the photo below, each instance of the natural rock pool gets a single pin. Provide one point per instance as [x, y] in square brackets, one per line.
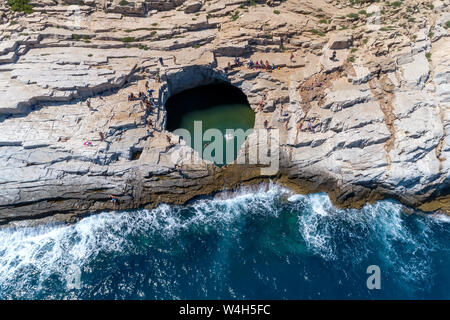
[216, 106]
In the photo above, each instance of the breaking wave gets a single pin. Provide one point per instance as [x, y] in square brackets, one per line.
[264, 243]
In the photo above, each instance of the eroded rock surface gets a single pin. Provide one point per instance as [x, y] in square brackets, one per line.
[373, 122]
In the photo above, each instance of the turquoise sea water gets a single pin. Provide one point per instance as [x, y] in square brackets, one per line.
[264, 243]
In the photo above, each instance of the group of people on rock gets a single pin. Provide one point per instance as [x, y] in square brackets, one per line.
[141, 96]
[261, 65]
[146, 100]
[251, 64]
[237, 63]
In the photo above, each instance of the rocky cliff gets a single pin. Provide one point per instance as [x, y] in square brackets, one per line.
[374, 122]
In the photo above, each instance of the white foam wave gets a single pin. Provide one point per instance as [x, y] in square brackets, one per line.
[54, 250]
[30, 256]
[441, 218]
[381, 224]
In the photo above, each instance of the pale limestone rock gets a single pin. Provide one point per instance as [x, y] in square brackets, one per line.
[417, 71]
[380, 124]
[340, 42]
[192, 6]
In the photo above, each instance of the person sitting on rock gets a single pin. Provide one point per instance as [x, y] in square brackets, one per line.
[114, 199]
[150, 92]
[180, 171]
[310, 126]
[333, 56]
[88, 143]
[257, 65]
[266, 123]
[251, 64]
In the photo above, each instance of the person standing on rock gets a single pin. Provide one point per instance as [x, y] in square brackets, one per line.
[261, 104]
[114, 200]
[161, 61]
[292, 57]
[88, 103]
[157, 77]
[180, 171]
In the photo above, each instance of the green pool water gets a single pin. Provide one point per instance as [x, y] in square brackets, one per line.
[221, 107]
[221, 117]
